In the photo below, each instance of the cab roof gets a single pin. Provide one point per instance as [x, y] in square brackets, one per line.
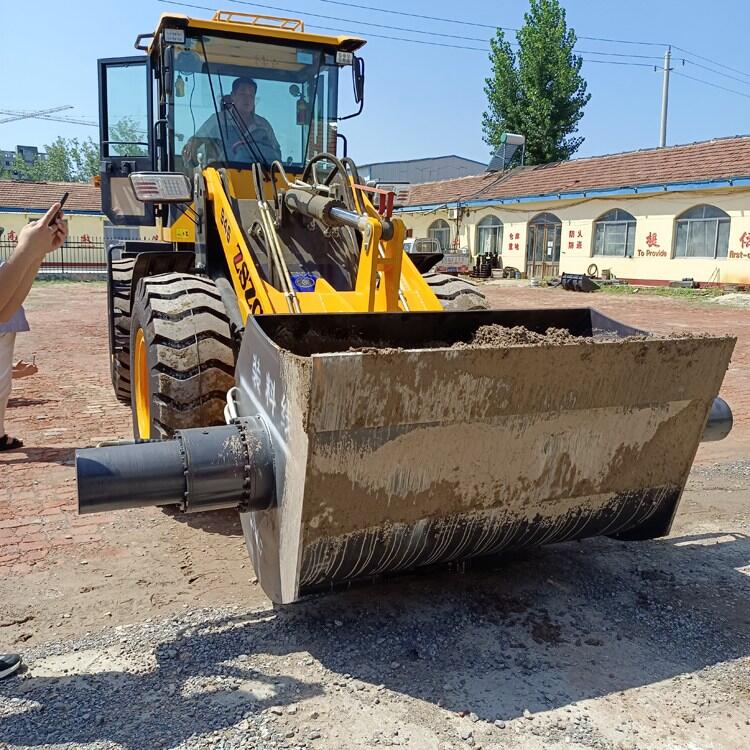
[252, 25]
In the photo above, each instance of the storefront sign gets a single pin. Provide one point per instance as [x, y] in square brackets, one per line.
[652, 248]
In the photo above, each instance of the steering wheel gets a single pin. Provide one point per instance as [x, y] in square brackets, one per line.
[211, 151]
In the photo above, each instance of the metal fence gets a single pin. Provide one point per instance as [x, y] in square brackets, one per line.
[79, 256]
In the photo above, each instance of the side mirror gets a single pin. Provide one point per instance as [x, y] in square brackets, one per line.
[358, 76]
[358, 79]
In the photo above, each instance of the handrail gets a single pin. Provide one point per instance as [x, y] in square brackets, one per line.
[255, 19]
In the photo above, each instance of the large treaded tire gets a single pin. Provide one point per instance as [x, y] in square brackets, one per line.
[119, 310]
[456, 294]
[190, 352]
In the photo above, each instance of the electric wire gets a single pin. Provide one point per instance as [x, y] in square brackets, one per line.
[447, 45]
[476, 24]
[744, 81]
[710, 83]
[708, 59]
[407, 39]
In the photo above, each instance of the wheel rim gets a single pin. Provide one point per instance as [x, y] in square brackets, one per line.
[142, 394]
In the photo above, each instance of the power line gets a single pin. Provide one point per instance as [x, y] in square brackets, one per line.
[409, 40]
[714, 62]
[390, 37]
[710, 83]
[579, 36]
[474, 23]
[416, 31]
[744, 81]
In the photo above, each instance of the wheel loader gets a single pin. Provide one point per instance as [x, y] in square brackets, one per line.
[283, 355]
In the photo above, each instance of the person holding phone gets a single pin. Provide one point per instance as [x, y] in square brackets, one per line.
[17, 275]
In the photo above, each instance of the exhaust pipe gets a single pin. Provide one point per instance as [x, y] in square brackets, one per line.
[204, 468]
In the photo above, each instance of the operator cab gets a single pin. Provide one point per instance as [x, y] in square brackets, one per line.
[228, 92]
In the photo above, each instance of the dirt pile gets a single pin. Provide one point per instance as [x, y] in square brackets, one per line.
[500, 336]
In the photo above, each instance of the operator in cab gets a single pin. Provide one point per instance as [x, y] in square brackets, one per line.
[246, 135]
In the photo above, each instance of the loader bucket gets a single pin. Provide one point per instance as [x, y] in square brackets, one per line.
[390, 455]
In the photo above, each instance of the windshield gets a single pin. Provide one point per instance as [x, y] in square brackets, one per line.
[237, 102]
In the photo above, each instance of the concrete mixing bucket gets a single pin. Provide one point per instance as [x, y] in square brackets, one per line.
[392, 455]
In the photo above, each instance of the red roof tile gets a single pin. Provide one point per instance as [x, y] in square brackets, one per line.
[41, 195]
[722, 158]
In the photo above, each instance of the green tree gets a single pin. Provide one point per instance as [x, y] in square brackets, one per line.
[538, 91]
[67, 160]
[125, 136]
[58, 166]
[85, 158]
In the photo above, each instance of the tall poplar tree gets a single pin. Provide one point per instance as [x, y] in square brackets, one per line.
[537, 91]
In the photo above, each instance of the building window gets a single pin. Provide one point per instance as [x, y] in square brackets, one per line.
[702, 232]
[489, 238]
[614, 234]
[440, 230]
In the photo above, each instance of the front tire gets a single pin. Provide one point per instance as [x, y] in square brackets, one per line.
[181, 355]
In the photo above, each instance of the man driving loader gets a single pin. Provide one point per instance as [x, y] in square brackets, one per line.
[247, 136]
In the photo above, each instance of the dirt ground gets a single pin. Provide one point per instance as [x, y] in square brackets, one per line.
[593, 644]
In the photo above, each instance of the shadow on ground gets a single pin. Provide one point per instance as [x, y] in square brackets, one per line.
[538, 631]
[223, 522]
[38, 454]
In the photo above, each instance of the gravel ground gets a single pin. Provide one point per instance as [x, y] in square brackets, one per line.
[601, 644]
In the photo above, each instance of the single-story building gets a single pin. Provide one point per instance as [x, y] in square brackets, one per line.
[650, 216]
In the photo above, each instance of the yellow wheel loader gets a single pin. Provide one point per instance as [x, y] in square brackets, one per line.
[283, 355]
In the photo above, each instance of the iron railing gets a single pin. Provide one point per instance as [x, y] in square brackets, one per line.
[79, 255]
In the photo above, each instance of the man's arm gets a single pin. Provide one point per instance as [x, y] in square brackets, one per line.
[35, 240]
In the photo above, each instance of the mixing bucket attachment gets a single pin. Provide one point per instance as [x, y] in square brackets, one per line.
[390, 455]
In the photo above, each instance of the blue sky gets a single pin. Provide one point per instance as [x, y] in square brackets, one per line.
[420, 100]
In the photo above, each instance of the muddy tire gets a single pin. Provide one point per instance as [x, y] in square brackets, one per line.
[181, 355]
[456, 294]
[119, 310]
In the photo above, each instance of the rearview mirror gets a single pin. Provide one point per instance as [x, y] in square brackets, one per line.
[358, 78]
[358, 75]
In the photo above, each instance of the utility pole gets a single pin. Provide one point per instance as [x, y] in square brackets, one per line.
[665, 98]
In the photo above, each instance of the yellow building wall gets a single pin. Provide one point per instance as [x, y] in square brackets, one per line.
[654, 242]
[79, 226]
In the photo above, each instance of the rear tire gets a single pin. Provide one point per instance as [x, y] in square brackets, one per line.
[456, 294]
[181, 355]
[119, 310]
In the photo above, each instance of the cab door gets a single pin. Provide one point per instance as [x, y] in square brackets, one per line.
[125, 136]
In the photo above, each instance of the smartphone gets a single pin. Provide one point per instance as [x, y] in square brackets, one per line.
[62, 203]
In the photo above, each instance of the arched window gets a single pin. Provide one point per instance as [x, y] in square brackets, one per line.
[543, 246]
[440, 230]
[614, 234]
[489, 238]
[702, 232]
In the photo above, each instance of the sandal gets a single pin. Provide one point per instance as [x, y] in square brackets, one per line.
[10, 443]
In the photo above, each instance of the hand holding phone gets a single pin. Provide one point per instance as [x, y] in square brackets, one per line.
[57, 214]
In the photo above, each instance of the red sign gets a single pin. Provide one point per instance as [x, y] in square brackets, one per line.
[651, 239]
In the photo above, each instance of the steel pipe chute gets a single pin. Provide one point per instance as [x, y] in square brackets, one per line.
[204, 468]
